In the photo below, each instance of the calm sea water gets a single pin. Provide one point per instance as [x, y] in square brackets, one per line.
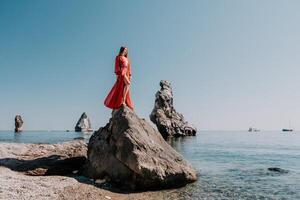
[41, 136]
[231, 164]
[234, 165]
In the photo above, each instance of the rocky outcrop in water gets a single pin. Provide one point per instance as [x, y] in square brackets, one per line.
[129, 152]
[168, 121]
[278, 170]
[83, 124]
[18, 124]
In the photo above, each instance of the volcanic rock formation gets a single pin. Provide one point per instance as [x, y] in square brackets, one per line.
[18, 123]
[83, 124]
[167, 120]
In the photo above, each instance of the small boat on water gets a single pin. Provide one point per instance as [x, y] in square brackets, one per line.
[251, 129]
[287, 130]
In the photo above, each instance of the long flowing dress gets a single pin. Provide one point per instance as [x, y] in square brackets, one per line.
[114, 98]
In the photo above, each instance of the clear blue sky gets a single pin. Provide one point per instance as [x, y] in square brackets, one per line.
[232, 64]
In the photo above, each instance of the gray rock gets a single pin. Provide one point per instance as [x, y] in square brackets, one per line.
[44, 159]
[129, 152]
[167, 120]
[18, 124]
[78, 138]
[83, 124]
[278, 170]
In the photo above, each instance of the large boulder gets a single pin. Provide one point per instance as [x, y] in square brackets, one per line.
[83, 124]
[18, 124]
[167, 120]
[129, 152]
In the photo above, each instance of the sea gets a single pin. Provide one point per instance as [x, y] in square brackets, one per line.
[230, 164]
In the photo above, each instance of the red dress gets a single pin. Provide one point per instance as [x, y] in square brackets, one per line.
[114, 98]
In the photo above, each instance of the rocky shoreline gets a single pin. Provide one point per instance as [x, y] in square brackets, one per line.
[126, 159]
[17, 185]
[123, 160]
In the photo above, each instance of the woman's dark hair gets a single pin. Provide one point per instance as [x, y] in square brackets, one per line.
[122, 50]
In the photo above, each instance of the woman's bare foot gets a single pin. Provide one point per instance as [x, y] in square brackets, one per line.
[123, 103]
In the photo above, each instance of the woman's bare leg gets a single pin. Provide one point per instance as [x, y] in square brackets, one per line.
[126, 89]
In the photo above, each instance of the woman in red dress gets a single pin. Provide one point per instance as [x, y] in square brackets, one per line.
[119, 93]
